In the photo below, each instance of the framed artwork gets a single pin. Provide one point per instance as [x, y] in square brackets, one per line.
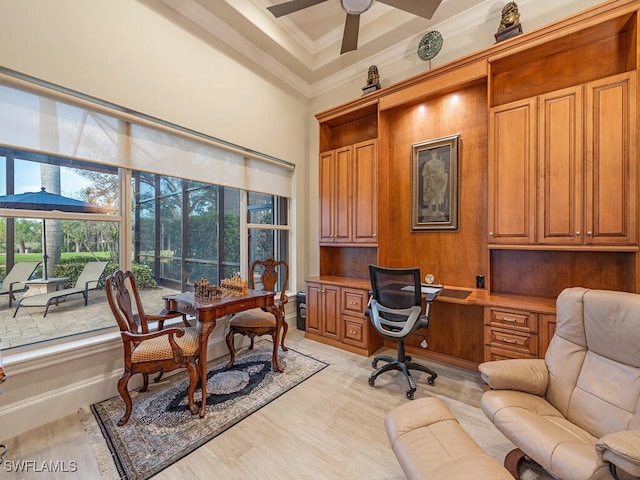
[434, 184]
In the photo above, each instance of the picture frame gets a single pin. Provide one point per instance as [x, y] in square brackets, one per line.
[434, 184]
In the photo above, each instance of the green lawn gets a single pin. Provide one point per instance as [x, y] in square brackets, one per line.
[37, 257]
[34, 257]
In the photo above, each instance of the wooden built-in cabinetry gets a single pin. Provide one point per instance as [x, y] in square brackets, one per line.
[336, 314]
[517, 333]
[548, 188]
[348, 194]
[562, 167]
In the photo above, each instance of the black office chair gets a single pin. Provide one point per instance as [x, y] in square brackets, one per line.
[395, 309]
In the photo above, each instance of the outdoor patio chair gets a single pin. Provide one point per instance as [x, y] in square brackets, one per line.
[88, 280]
[15, 281]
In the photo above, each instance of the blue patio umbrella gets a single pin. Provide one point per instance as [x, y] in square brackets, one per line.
[44, 200]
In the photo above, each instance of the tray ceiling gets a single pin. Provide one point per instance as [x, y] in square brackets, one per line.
[303, 48]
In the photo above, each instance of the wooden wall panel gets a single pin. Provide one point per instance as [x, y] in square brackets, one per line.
[454, 258]
[454, 330]
[347, 261]
[546, 273]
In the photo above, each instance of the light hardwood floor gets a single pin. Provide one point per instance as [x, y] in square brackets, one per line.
[329, 427]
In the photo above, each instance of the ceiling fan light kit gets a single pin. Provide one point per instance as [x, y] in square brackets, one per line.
[353, 9]
[356, 7]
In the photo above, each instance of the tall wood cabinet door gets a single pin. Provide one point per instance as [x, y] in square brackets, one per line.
[365, 192]
[327, 199]
[314, 309]
[512, 149]
[560, 167]
[342, 192]
[611, 183]
[331, 304]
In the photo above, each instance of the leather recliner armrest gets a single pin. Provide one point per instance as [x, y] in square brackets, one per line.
[525, 375]
[622, 449]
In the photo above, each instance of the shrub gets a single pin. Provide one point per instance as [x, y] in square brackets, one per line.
[73, 267]
[144, 276]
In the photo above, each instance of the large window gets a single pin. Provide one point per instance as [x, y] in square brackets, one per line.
[175, 206]
[268, 228]
[186, 230]
[74, 191]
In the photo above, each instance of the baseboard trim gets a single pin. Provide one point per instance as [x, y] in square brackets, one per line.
[34, 408]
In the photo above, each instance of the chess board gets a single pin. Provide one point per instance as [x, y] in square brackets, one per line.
[227, 293]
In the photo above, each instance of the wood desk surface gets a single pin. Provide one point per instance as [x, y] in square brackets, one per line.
[459, 295]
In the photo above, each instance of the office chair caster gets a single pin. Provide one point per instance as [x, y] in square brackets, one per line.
[410, 394]
[372, 382]
[432, 379]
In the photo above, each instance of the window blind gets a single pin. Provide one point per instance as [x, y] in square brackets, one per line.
[48, 120]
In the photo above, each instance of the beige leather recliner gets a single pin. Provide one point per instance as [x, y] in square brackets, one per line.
[577, 412]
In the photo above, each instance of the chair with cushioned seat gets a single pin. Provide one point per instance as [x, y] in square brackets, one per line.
[148, 352]
[260, 321]
[395, 309]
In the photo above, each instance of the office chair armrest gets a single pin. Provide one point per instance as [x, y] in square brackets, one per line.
[412, 314]
[622, 449]
[524, 375]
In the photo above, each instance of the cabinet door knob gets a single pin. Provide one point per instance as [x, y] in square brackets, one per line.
[589, 233]
[578, 232]
[491, 234]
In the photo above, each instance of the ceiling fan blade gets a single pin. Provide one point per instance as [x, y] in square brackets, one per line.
[293, 6]
[422, 8]
[350, 36]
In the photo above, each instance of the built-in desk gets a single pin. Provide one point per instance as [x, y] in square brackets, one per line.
[467, 326]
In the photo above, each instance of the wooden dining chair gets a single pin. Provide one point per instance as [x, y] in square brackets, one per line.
[148, 352]
[262, 321]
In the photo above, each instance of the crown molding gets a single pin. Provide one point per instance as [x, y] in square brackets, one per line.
[483, 12]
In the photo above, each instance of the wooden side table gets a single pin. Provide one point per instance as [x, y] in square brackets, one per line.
[41, 285]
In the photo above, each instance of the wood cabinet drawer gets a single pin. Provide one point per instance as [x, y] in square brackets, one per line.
[354, 331]
[512, 340]
[354, 301]
[513, 319]
[492, 353]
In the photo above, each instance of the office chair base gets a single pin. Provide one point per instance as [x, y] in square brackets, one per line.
[404, 367]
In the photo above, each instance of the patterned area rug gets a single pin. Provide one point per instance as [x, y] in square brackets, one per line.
[160, 416]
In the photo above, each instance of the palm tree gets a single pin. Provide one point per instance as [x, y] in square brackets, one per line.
[50, 176]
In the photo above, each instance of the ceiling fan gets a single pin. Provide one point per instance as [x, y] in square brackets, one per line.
[354, 8]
